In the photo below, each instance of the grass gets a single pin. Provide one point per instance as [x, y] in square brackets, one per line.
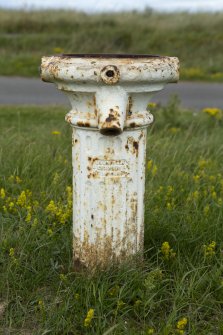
[178, 289]
[197, 39]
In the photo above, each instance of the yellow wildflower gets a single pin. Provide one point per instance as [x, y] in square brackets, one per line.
[150, 331]
[169, 206]
[89, 317]
[36, 203]
[210, 249]
[11, 252]
[205, 193]
[11, 205]
[160, 189]
[56, 178]
[220, 202]
[213, 112]
[52, 208]
[21, 201]
[181, 325]
[58, 50]
[137, 302]
[63, 277]
[149, 164]
[2, 193]
[206, 210]
[55, 132]
[152, 105]
[35, 222]
[50, 232]
[195, 195]
[77, 296]
[61, 212]
[120, 304]
[69, 191]
[212, 178]
[214, 195]
[28, 217]
[18, 180]
[11, 178]
[63, 217]
[167, 252]
[202, 163]
[212, 188]
[69, 196]
[12, 255]
[196, 178]
[113, 291]
[174, 130]
[169, 190]
[41, 305]
[154, 170]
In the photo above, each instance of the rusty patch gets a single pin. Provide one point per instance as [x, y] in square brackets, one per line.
[133, 145]
[109, 151]
[68, 118]
[111, 117]
[78, 265]
[55, 70]
[136, 145]
[129, 106]
[83, 124]
[95, 105]
[133, 125]
[100, 255]
[111, 126]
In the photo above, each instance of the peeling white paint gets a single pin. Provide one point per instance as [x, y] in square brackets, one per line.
[109, 118]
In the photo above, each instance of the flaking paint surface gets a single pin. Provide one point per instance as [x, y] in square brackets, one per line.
[108, 196]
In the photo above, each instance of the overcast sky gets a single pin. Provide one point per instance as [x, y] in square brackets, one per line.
[116, 5]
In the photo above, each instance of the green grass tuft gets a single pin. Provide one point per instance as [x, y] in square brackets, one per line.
[40, 293]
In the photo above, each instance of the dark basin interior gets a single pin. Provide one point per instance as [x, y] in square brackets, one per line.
[108, 56]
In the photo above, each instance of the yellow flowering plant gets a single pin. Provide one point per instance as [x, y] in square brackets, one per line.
[59, 211]
[213, 112]
[89, 317]
[167, 252]
[209, 249]
[181, 325]
[152, 167]
[56, 132]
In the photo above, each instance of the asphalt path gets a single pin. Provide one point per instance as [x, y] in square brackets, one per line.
[26, 91]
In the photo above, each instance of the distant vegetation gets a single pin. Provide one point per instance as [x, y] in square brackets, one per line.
[197, 39]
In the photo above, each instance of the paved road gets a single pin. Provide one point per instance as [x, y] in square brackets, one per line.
[14, 90]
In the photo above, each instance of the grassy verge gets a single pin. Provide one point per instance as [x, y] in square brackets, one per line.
[179, 287]
[196, 39]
